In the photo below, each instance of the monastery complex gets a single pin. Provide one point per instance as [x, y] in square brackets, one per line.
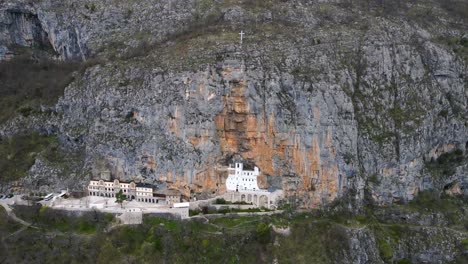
[241, 186]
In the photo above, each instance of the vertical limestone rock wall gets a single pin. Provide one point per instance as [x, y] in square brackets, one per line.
[326, 100]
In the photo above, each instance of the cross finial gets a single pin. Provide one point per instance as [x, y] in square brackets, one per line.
[241, 36]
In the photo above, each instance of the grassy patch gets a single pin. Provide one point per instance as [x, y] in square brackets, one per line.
[198, 226]
[455, 8]
[169, 225]
[404, 261]
[431, 201]
[446, 163]
[464, 243]
[388, 237]
[6, 224]
[17, 154]
[231, 222]
[27, 84]
[312, 242]
[86, 223]
[374, 179]
[227, 209]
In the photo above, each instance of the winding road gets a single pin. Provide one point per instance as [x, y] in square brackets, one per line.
[11, 214]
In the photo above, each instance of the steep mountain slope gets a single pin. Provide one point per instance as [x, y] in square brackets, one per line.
[361, 99]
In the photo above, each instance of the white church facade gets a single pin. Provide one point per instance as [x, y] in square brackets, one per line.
[241, 180]
[242, 186]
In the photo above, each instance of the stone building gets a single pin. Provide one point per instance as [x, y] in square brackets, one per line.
[141, 192]
[172, 196]
[144, 192]
[111, 188]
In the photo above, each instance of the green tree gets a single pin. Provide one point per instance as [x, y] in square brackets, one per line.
[120, 197]
[263, 233]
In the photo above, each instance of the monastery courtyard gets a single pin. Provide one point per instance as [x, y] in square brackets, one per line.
[109, 205]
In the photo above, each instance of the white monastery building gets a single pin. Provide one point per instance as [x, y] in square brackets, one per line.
[242, 186]
[242, 180]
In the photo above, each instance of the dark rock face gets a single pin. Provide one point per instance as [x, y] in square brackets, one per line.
[24, 27]
[26, 30]
[21, 28]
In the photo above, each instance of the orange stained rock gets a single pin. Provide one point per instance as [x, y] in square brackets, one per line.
[174, 126]
[201, 88]
[200, 139]
[180, 184]
[316, 112]
[206, 180]
[439, 150]
[388, 172]
[254, 137]
[227, 72]
[194, 140]
[150, 162]
[329, 143]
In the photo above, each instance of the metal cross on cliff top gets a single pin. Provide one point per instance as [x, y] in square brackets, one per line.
[241, 36]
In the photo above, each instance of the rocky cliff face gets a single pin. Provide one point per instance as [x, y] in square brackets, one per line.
[327, 99]
[25, 26]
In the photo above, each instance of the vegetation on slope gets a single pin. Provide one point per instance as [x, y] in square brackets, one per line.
[18, 154]
[445, 164]
[63, 221]
[314, 237]
[28, 84]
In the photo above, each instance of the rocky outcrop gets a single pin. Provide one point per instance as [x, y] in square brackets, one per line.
[22, 28]
[27, 25]
[413, 244]
[329, 99]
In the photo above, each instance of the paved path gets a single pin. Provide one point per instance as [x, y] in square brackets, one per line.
[237, 214]
[14, 217]
[6, 204]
